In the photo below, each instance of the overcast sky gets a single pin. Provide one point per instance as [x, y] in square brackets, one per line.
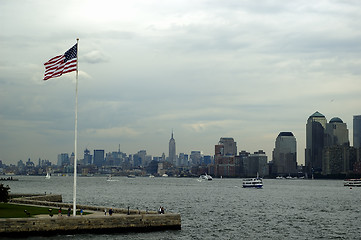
[205, 68]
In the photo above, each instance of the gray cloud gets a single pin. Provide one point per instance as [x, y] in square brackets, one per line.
[93, 57]
[207, 69]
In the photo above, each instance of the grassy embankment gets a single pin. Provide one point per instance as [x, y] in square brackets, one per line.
[8, 210]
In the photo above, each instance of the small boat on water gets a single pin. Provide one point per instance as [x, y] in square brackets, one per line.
[352, 182]
[47, 176]
[110, 179]
[9, 179]
[253, 182]
[206, 177]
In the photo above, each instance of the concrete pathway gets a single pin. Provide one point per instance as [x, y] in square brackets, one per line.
[92, 214]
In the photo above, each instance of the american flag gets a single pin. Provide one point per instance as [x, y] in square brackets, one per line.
[58, 65]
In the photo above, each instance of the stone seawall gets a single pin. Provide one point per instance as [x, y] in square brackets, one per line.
[14, 227]
[123, 220]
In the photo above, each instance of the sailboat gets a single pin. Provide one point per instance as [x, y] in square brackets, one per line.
[110, 179]
[47, 175]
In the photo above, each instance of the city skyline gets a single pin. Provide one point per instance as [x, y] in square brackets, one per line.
[317, 116]
[206, 69]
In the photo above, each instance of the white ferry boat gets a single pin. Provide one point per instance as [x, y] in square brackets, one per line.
[352, 182]
[252, 183]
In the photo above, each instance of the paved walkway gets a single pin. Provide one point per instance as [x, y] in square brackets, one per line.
[92, 214]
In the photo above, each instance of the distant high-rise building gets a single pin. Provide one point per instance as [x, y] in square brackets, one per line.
[336, 153]
[87, 157]
[226, 163]
[195, 157]
[357, 131]
[182, 159]
[229, 146]
[315, 130]
[71, 159]
[98, 158]
[63, 159]
[255, 163]
[336, 133]
[336, 160]
[113, 158]
[285, 154]
[139, 159]
[207, 159]
[172, 151]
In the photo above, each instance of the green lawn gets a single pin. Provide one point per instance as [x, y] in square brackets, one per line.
[18, 211]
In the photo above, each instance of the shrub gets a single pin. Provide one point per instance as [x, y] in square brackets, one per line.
[4, 193]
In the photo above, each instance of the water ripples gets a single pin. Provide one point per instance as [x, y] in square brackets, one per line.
[221, 209]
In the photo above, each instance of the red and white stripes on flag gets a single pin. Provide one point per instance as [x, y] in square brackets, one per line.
[61, 64]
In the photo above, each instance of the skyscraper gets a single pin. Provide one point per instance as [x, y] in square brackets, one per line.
[285, 154]
[357, 131]
[172, 151]
[336, 152]
[63, 159]
[336, 133]
[87, 157]
[71, 159]
[226, 163]
[195, 157]
[256, 163]
[315, 130]
[98, 158]
[229, 146]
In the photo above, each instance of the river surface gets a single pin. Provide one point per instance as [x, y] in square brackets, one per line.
[218, 209]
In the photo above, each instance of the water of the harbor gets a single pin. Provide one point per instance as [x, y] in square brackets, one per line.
[218, 209]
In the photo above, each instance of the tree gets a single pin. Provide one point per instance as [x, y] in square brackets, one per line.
[4, 193]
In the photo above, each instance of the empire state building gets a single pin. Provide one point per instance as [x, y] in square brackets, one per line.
[172, 153]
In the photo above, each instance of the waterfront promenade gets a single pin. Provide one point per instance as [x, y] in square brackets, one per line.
[122, 220]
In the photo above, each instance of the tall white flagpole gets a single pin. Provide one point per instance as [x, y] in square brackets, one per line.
[76, 128]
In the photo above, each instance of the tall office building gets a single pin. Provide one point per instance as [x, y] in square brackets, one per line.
[256, 163]
[357, 131]
[285, 154]
[229, 146]
[315, 130]
[336, 133]
[63, 159]
[139, 159]
[98, 158]
[336, 152]
[172, 151]
[72, 158]
[182, 159]
[87, 157]
[195, 157]
[226, 163]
